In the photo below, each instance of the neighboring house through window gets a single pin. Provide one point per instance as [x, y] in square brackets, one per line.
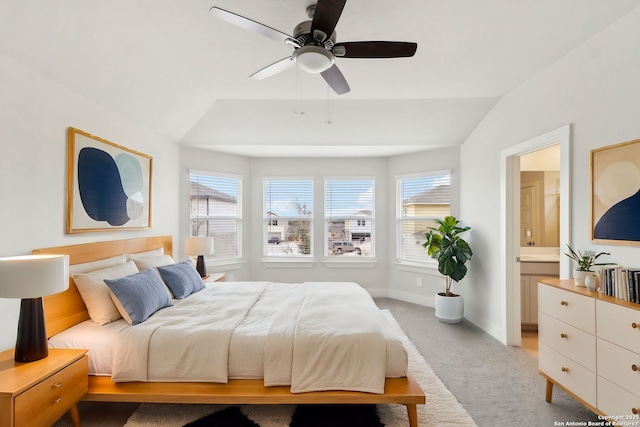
[349, 216]
[215, 211]
[288, 216]
[420, 200]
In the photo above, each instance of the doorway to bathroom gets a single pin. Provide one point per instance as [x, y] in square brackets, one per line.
[539, 232]
[534, 228]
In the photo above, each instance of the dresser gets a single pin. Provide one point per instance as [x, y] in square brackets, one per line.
[38, 393]
[589, 345]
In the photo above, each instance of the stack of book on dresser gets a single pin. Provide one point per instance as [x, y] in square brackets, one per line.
[620, 282]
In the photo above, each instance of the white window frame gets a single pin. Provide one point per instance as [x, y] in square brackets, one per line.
[213, 259]
[284, 258]
[428, 263]
[369, 219]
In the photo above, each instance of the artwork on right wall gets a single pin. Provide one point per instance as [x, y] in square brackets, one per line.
[615, 193]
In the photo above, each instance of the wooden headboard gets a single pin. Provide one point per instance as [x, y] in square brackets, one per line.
[67, 308]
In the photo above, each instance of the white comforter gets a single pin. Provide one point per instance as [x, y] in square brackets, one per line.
[322, 336]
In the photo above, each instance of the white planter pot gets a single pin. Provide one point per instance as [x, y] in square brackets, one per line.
[449, 309]
[579, 276]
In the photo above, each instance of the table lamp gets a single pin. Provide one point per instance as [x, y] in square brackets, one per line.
[199, 246]
[30, 277]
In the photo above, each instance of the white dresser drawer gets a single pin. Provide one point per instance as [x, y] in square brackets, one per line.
[615, 324]
[613, 400]
[574, 343]
[576, 310]
[617, 365]
[569, 374]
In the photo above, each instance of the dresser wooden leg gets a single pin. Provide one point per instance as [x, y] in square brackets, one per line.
[75, 416]
[412, 411]
[549, 391]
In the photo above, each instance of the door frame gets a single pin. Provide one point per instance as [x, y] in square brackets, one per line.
[510, 218]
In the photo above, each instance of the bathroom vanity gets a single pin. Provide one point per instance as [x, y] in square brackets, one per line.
[535, 265]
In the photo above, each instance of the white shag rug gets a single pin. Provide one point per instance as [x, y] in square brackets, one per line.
[441, 409]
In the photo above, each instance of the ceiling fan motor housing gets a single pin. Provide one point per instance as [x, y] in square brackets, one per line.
[302, 33]
[314, 55]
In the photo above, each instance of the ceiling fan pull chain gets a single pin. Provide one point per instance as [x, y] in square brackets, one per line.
[298, 97]
[328, 105]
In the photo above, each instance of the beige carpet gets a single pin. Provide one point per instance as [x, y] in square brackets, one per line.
[441, 409]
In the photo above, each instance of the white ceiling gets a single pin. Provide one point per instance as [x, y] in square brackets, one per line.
[172, 67]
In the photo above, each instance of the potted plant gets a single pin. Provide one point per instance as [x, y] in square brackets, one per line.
[445, 245]
[585, 261]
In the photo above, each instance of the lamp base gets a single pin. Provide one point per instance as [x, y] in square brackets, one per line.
[31, 344]
[202, 269]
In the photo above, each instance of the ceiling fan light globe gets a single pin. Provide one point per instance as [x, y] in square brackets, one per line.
[313, 59]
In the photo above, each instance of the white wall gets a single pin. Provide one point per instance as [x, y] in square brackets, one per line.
[596, 89]
[36, 113]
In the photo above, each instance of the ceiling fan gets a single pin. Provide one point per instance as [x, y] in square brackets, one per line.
[314, 44]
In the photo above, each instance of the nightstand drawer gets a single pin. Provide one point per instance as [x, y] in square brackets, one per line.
[574, 343]
[45, 402]
[567, 373]
[576, 310]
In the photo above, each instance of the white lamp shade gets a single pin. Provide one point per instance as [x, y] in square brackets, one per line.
[33, 276]
[198, 246]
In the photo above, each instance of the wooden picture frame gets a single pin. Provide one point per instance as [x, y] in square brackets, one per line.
[615, 193]
[108, 185]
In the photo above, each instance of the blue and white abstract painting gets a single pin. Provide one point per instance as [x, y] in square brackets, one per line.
[616, 193]
[111, 185]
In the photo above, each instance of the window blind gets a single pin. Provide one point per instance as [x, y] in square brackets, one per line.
[421, 199]
[349, 215]
[215, 211]
[288, 215]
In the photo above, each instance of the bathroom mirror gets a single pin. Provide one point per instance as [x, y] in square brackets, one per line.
[540, 198]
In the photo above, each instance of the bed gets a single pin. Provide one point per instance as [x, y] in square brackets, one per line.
[67, 310]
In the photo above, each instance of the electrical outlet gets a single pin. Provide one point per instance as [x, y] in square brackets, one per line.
[419, 282]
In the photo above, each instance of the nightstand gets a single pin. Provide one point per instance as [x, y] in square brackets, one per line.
[40, 392]
[215, 277]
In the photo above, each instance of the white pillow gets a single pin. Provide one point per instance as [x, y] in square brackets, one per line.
[95, 292]
[153, 261]
[146, 254]
[88, 267]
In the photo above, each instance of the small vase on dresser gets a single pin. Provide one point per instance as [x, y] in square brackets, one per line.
[592, 282]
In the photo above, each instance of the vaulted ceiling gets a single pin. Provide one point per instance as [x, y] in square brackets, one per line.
[171, 66]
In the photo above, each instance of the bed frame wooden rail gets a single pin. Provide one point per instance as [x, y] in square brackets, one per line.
[67, 309]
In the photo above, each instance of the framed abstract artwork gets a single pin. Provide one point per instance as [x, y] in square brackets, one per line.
[615, 193]
[108, 185]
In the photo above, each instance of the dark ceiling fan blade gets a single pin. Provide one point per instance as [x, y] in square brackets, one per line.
[336, 80]
[273, 69]
[375, 49]
[327, 15]
[251, 25]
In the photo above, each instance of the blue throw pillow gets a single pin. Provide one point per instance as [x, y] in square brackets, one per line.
[181, 278]
[139, 295]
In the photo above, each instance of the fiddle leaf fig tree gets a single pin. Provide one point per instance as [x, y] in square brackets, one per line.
[445, 245]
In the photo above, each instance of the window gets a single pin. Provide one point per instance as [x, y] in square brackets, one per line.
[288, 217]
[215, 211]
[348, 216]
[420, 200]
